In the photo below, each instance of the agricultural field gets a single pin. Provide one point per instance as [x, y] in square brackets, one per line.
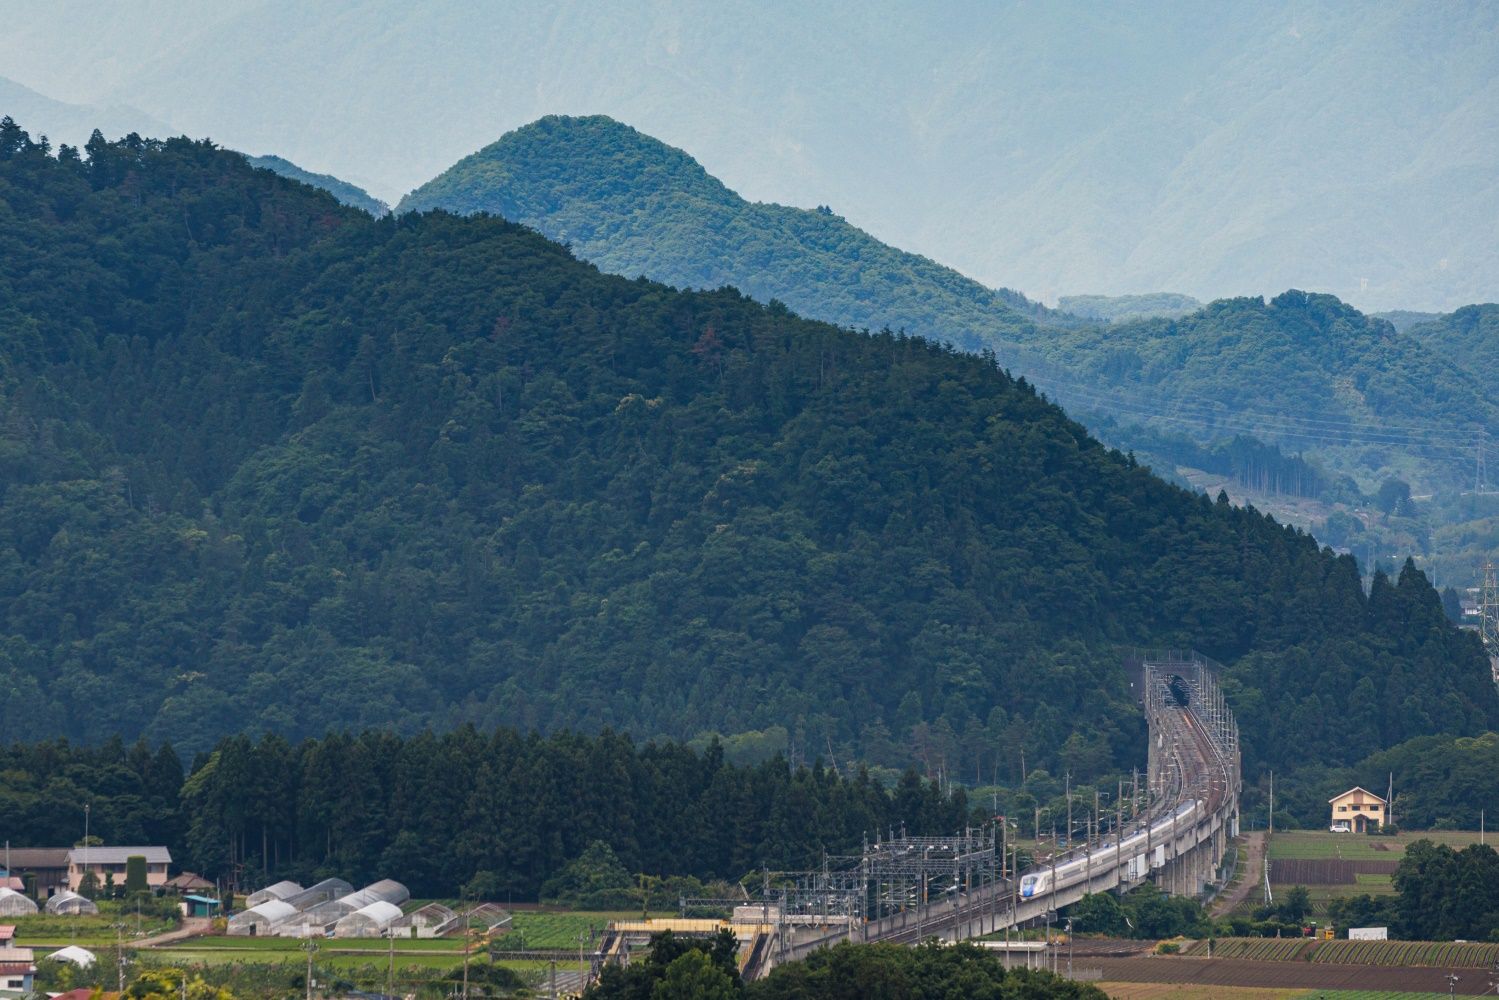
[49, 930]
[1179, 991]
[1213, 977]
[1437, 954]
[1297, 856]
[556, 930]
[1256, 949]
[1318, 844]
[1422, 954]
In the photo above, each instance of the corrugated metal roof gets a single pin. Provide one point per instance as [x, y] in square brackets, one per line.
[22, 858]
[118, 855]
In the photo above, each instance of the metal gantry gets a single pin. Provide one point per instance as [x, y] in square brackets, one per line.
[1488, 617]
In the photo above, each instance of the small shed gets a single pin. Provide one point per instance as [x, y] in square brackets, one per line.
[279, 890]
[81, 957]
[70, 904]
[262, 920]
[15, 904]
[17, 970]
[369, 921]
[430, 921]
[194, 905]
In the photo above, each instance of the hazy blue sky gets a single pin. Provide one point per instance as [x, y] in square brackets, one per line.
[1055, 147]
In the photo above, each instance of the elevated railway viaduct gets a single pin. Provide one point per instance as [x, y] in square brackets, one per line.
[1194, 780]
[910, 889]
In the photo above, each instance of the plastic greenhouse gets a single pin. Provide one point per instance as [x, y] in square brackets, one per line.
[371, 921]
[71, 904]
[432, 920]
[15, 904]
[262, 920]
[281, 890]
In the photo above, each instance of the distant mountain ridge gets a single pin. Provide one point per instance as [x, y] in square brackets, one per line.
[1058, 147]
[1303, 370]
[1120, 308]
[62, 122]
[635, 206]
[350, 194]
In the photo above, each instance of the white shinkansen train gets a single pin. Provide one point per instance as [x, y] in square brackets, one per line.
[1076, 869]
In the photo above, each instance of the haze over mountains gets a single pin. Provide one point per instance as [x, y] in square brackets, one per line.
[1061, 148]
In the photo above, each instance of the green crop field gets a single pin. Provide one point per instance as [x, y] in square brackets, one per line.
[1318, 844]
[556, 930]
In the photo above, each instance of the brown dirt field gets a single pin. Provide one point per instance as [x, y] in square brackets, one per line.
[1327, 871]
[1177, 991]
[1287, 975]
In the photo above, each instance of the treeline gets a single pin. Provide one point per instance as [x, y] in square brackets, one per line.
[268, 464]
[677, 969]
[1253, 464]
[501, 812]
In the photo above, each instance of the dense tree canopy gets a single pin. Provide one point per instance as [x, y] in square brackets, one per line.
[270, 465]
[506, 814]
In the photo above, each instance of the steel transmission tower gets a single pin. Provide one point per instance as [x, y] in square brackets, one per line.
[1488, 616]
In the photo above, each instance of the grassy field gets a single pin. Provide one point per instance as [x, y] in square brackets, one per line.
[87, 931]
[1318, 844]
[556, 930]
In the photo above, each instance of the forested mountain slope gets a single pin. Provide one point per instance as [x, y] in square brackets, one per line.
[269, 463]
[1468, 337]
[349, 194]
[1302, 371]
[636, 206]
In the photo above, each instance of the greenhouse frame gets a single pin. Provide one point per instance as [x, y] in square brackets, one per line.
[15, 904]
[328, 888]
[430, 921]
[369, 921]
[280, 890]
[71, 904]
[262, 920]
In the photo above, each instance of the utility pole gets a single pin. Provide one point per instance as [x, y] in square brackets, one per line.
[390, 971]
[1271, 825]
[468, 934]
[309, 946]
[1069, 947]
[120, 954]
[1069, 810]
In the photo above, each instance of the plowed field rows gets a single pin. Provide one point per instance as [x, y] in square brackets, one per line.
[1426, 953]
[1289, 975]
[1256, 949]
